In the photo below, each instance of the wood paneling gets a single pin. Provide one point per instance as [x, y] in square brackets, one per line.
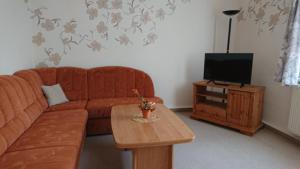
[238, 108]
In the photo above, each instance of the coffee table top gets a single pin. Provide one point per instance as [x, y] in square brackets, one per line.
[168, 130]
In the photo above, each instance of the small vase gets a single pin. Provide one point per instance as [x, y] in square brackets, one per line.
[146, 114]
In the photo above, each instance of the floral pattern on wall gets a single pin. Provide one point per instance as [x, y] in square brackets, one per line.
[116, 21]
[267, 14]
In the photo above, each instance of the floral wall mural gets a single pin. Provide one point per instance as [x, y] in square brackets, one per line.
[113, 21]
[267, 14]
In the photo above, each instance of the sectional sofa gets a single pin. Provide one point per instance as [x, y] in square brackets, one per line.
[36, 136]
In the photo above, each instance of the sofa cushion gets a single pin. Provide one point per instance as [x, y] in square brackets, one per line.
[74, 82]
[72, 105]
[58, 128]
[43, 158]
[115, 82]
[48, 75]
[19, 108]
[101, 108]
[35, 83]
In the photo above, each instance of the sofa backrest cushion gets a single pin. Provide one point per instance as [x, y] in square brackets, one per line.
[112, 82]
[72, 80]
[19, 108]
[35, 83]
[48, 75]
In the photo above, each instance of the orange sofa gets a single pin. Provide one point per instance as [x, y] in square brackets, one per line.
[36, 136]
[96, 90]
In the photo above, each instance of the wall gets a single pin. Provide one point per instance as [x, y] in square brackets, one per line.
[262, 32]
[173, 57]
[15, 32]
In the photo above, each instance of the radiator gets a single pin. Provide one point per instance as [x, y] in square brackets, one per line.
[294, 119]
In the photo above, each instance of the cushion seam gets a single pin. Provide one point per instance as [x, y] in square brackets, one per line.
[42, 147]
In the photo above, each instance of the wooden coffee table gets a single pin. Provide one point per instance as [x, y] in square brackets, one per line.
[151, 143]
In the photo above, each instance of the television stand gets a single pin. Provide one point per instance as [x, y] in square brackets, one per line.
[237, 108]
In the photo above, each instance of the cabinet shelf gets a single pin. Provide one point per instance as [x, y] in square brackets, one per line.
[212, 94]
[214, 104]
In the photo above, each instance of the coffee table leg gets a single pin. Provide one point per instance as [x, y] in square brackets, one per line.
[153, 158]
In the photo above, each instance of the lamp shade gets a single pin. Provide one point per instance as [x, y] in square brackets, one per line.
[231, 12]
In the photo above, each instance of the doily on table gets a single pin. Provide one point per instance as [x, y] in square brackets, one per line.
[139, 118]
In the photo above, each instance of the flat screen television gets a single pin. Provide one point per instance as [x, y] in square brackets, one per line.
[228, 67]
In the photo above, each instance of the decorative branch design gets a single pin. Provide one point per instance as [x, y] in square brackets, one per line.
[112, 16]
[37, 13]
[53, 57]
[69, 41]
[123, 40]
[258, 10]
[172, 5]
[46, 23]
[38, 39]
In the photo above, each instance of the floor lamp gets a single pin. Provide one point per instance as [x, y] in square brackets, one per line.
[230, 13]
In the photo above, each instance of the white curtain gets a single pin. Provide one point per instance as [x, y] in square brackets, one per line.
[289, 62]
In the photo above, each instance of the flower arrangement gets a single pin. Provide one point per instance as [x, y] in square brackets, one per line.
[146, 106]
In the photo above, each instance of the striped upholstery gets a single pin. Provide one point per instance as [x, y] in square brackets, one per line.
[96, 90]
[118, 82]
[54, 135]
[19, 108]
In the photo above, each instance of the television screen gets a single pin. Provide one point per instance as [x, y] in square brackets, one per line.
[228, 67]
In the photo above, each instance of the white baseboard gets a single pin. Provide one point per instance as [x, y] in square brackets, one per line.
[284, 132]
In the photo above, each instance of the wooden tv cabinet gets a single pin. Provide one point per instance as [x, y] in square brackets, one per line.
[229, 105]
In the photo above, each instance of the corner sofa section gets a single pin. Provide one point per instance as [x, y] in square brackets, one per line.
[32, 139]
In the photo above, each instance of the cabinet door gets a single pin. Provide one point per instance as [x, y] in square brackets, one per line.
[238, 108]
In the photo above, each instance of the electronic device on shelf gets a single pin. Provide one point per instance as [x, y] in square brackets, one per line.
[228, 67]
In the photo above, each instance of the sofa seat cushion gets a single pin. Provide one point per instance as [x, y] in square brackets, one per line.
[72, 105]
[101, 108]
[59, 128]
[43, 158]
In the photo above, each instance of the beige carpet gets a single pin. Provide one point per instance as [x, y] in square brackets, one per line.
[214, 148]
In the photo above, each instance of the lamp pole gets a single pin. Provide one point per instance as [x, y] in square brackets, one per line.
[230, 13]
[229, 35]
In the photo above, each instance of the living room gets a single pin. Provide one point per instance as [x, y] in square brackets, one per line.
[76, 79]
